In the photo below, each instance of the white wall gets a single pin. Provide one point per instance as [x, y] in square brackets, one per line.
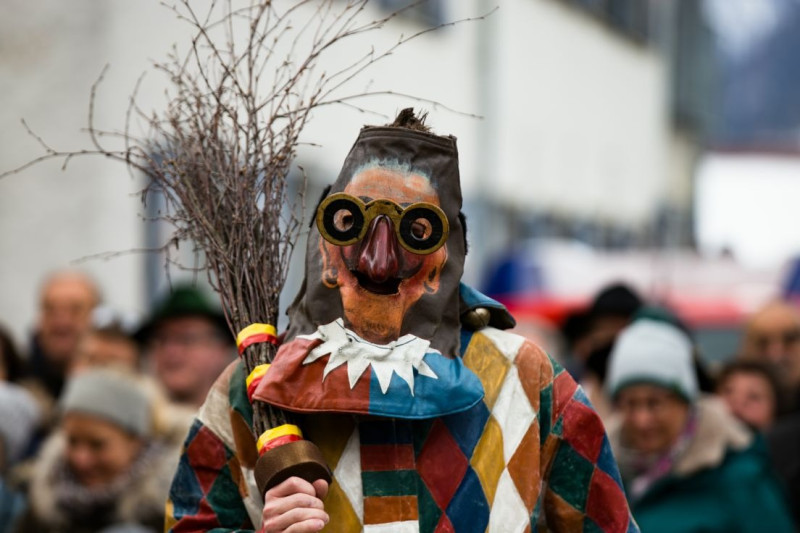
[747, 204]
[583, 125]
[52, 53]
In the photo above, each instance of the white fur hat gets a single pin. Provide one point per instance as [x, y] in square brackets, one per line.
[652, 351]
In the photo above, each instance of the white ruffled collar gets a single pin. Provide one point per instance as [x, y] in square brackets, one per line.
[346, 347]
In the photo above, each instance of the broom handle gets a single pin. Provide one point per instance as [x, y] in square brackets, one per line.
[282, 451]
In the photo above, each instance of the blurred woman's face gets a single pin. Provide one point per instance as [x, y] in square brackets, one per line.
[653, 417]
[750, 398]
[97, 451]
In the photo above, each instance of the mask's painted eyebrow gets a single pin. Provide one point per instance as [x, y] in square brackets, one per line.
[367, 199]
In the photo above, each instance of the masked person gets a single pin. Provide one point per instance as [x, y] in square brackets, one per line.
[430, 417]
[687, 463]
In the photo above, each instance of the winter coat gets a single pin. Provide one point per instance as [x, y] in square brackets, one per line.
[12, 503]
[784, 446]
[57, 504]
[722, 482]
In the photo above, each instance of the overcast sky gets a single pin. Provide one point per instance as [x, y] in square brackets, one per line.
[741, 24]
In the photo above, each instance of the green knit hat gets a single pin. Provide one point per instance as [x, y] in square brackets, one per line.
[183, 301]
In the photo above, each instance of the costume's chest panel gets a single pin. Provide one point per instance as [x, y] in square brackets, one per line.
[469, 471]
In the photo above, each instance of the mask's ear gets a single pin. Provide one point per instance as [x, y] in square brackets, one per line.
[431, 282]
[330, 274]
[463, 219]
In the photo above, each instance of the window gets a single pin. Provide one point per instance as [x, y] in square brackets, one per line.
[628, 17]
[427, 12]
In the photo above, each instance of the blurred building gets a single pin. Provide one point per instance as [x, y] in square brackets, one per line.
[593, 119]
[598, 111]
[749, 182]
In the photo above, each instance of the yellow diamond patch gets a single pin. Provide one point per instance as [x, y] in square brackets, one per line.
[487, 460]
[489, 364]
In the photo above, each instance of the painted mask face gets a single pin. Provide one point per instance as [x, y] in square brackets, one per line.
[384, 247]
[386, 253]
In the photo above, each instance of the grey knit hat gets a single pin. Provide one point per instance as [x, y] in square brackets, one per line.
[111, 395]
[654, 352]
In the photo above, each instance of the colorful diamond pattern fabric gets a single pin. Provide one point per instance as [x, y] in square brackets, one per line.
[204, 494]
[441, 477]
[477, 470]
[348, 474]
[509, 512]
[487, 461]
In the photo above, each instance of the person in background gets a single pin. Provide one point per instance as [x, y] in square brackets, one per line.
[106, 465]
[12, 366]
[589, 335]
[772, 334]
[783, 440]
[109, 342]
[594, 376]
[19, 414]
[687, 464]
[612, 309]
[753, 392]
[187, 344]
[66, 301]
[596, 328]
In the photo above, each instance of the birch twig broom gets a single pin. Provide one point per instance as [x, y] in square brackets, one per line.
[222, 155]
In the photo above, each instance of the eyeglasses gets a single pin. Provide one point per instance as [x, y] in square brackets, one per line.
[655, 404]
[184, 340]
[421, 228]
[786, 338]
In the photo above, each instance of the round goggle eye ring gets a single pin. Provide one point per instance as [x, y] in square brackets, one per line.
[326, 220]
[438, 224]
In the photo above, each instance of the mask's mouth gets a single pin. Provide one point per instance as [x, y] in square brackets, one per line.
[390, 286]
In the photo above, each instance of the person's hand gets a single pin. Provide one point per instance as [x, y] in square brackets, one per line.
[295, 506]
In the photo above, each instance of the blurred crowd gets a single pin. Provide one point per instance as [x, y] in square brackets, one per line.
[699, 448]
[94, 413]
[94, 410]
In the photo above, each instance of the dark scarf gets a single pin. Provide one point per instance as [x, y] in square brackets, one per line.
[97, 507]
[50, 375]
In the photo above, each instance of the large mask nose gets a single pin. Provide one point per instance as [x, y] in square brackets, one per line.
[379, 258]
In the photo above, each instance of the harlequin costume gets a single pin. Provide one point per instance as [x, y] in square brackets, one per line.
[426, 424]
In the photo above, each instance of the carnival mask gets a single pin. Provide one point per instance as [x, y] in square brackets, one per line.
[386, 253]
